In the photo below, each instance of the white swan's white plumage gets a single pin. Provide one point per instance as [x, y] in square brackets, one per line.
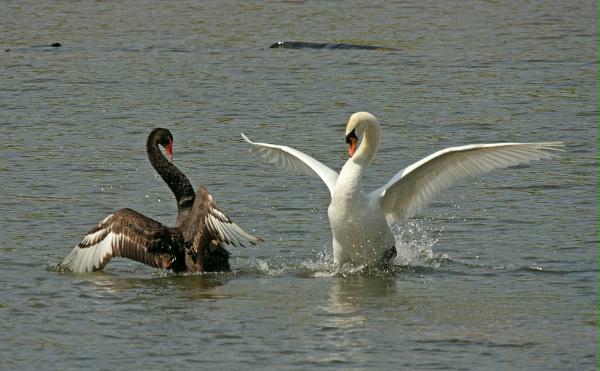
[414, 187]
[289, 158]
[359, 221]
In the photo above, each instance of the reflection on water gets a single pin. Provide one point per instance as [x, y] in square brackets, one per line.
[75, 120]
[345, 319]
[188, 286]
[348, 295]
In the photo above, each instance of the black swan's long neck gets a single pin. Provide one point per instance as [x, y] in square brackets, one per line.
[175, 179]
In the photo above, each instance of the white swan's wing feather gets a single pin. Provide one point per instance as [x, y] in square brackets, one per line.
[290, 158]
[414, 187]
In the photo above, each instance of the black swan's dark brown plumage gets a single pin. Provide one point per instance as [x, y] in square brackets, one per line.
[195, 244]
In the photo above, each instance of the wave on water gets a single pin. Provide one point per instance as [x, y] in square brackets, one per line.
[414, 245]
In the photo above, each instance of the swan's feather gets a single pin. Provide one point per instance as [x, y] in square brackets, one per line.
[290, 158]
[126, 233]
[414, 187]
[219, 224]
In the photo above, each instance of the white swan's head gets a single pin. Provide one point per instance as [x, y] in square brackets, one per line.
[356, 127]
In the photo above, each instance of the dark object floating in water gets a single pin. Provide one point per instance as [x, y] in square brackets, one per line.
[195, 244]
[34, 48]
[303, 45]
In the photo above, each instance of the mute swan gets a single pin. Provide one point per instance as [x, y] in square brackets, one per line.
[360, 221]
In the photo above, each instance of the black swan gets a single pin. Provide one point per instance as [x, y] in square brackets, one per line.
[195, 244]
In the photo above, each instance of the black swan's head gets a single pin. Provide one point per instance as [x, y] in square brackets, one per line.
[164, 138]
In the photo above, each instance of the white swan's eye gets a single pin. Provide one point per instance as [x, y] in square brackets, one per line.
[351, 139]
[351, 136]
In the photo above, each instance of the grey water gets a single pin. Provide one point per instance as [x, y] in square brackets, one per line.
[499, 273]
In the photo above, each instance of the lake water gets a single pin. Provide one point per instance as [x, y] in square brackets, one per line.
[500, 273]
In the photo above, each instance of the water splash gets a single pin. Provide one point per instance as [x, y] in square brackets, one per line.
[414, 245]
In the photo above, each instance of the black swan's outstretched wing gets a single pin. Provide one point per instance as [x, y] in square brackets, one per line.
[128, 234]
[217, 225]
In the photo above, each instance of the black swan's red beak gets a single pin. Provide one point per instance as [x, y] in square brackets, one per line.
[170, 150]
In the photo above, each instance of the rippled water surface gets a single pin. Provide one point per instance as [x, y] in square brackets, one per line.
[500, 273]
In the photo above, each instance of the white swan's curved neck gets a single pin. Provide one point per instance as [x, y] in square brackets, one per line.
[370, 144]
[352, 172]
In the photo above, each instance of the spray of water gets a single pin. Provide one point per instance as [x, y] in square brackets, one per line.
[414, 244]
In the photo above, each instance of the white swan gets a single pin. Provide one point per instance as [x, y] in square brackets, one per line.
[360, 221]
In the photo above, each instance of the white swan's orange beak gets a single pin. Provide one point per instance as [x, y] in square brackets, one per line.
[170, 150]
[351, 139]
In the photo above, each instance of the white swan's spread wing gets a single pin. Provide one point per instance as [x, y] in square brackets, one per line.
[290, 158]
[125, 233]
[414, 187]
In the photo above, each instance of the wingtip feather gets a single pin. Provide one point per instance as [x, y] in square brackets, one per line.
[246, 138]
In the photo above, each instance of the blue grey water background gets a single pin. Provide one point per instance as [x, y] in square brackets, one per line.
[500, 273]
